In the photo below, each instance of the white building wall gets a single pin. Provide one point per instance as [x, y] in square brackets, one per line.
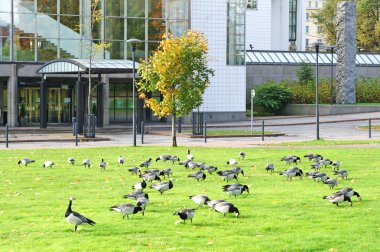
[280, 25]
[227, 89]
[259, 26]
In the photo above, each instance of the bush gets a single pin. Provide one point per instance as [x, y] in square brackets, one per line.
[272, 96]
[305, 73]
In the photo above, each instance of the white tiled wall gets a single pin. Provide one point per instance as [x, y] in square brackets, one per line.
[259, 26]
[227, 89]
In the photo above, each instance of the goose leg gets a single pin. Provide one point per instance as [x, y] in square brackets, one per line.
[75, 228]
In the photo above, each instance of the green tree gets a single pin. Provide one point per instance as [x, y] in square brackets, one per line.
[272, 96]
[368, 22]
[305, 73]
[178, 70]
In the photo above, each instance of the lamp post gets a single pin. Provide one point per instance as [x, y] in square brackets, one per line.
[252, 95]
[316, 91]
[133, 45]
[332, 72]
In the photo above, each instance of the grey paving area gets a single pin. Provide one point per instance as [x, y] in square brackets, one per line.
[341, 127]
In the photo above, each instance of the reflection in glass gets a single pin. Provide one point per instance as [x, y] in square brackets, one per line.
[115, 8]
[25, 23]
[178, 27]
[47, 6]
[152, 46]
[29, 98]
[69, 27]
[47, 26]
[69, 7]
[156, 29]
[114, 28]
[136, 28]
[22, 6]
[136, 8]
[5, 45]
[70, 48]
[140, 51]
[5, 24]
[24, 48]
[6, 6]
[155, 9]
[178, 9]
[46, 49]
[116, 49]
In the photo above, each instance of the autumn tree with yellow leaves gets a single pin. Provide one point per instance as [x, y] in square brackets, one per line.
[178, 71]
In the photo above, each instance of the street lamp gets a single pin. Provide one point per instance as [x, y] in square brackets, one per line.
[133, 45]
[252, 95]
[332, 47]
[316, 91]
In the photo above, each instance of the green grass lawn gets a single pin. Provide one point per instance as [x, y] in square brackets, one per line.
[231, 132]
[277, 215]
[375, 127]
[323, 142]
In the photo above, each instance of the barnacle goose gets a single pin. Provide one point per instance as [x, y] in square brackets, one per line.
[349, 192]
[291, 159]
[232, 162]
[150, 177]
[336, 165]
[189, 155]
[76, 218]
[163, 158]
[210, 169]
[200, 199]
[146, 163]
[102, 165]
[269, 167]
[337, 198]
[141, 185]
[342, 173]
[186, 214]
[185, 163]
[326, 162]
[127, 209]
[86, 162]
[48, 164]
[197, 175]
[153, 172]
[135, 194]
[166, 172]
[331, 182]
[227, 175]
[226, 207]
[142, 201]
[320, 176]
[71, 160]
[316, 166]
[241, 155]
[25, 161]
[174, 159]
[134, 170]
[292, 172]
[163, 186]
[212, 203]
[235, 189]
[237, 170]
[120, 160]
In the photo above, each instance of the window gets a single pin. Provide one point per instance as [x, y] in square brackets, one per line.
[236, 32]
[307, 29]
[252, 4]
[307, 17]
[309, 4]
[307, 42]
[319, 29]
[292, 20]
[316, 4]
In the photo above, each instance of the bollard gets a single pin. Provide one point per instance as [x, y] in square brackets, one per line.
[74, 120]
[6, 135]
[142, 132]
[262, 130]
[179, 125]
[205, 131]
[76, 133]
[370, 128]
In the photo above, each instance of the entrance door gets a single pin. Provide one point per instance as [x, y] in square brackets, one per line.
[60, 105]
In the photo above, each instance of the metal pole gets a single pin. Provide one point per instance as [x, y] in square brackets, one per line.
[179, 125]
[316, 93]
[262, 130]
[6, 135]
[76, 133]
[370, 128]
[332, 72]
[251, 115]
[205, 131]
[133, 98]
[142, 132]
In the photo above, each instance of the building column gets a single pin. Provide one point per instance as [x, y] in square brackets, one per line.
[99, 102]
[43, 103]
[12, 115]
[79, 108]
[106, 94]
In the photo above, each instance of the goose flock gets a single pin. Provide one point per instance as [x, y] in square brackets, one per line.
[149, 176]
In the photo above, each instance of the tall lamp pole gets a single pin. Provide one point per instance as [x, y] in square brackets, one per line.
[316, 91]
[252, 95]
[133, 45]
[332, 73]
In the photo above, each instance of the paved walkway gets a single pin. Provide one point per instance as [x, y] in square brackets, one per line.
[340, 127]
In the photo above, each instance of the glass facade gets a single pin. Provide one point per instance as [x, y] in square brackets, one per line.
[236, 32]
[292, 20]
[42, 30]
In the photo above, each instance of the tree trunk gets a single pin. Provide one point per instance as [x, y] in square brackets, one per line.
[174, 131]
